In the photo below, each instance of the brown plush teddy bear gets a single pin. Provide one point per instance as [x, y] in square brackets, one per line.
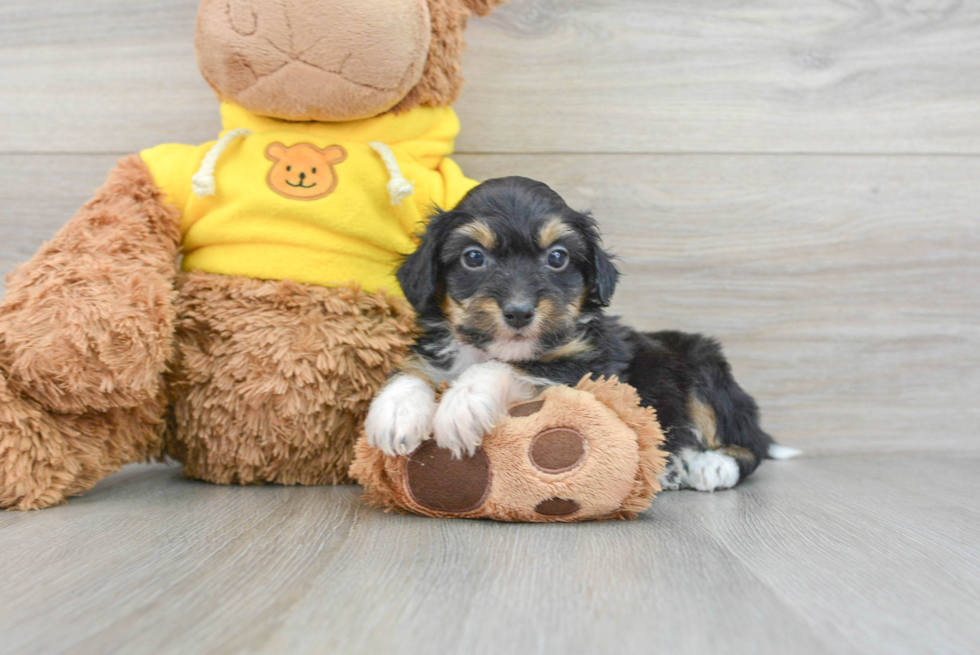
[232, 305]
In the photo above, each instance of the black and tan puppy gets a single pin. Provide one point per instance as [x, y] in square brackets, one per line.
[510, 288]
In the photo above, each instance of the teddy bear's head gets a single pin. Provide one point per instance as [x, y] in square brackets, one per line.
[334, 60]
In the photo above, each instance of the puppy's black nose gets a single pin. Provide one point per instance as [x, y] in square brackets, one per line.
[302, 176]
[518, 315]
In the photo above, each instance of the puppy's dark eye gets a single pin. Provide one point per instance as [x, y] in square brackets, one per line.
[289, 168]
[314, 171]
[558, 259]
[473, 258]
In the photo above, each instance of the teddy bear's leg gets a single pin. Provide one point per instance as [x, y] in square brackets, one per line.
[86, 330]
[46, 457]
[273, 379]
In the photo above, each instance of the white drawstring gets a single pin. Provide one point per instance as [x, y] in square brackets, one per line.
[203, 181]
[398, 187]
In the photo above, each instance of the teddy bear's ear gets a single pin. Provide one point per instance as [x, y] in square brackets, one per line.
[334, 155]
[482, 7]
[275, 151]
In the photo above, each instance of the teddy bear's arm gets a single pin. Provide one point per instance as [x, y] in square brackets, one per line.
[87, 323]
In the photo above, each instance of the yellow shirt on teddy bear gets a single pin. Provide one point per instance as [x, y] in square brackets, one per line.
[310, 202]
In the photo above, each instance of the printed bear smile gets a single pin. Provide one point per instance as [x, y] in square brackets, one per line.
[301, 185]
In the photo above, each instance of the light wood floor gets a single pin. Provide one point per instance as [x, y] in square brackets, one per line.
[856, 554]
[800, 178]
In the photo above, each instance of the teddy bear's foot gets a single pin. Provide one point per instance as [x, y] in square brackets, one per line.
[36, 466]
[46, 457]
[571, 455]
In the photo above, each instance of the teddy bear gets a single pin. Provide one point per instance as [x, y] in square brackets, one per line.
[232, 306]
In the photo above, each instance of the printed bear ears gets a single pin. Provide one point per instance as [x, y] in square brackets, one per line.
[330, 154]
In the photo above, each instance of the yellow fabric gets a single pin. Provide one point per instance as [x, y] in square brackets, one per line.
[354, 234]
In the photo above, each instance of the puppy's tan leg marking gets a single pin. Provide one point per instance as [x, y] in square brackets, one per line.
[416, 367]
[704, 419]
[745, 457]
[572, 349]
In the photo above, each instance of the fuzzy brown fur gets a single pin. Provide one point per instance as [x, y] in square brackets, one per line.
[617, 480]
[483, 7]
[87, 324]
[273, 379]
[442, 78]
[86, 330]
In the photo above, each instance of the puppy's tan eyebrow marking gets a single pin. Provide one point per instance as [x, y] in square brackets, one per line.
[479, 232]
[553, 230]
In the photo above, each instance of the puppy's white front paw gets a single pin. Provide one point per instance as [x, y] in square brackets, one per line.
[711, 470]
[400, 418]
[464, 416]
[471, 408]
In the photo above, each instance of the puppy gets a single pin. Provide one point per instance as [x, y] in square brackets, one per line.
[510, 288]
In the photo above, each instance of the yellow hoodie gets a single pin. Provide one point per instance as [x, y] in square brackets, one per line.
[319, 203]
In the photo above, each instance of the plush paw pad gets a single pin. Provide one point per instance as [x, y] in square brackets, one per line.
[442, 483]
[557, 507]
[557, 450]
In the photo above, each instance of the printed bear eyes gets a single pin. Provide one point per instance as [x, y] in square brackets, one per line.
[289, 168]
[557, 259]
[474, 258]
[314, 171]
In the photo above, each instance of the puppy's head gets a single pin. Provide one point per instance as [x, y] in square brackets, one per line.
[512, 270]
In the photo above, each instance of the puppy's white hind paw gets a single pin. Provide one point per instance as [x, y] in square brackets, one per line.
[710, 470]
[400, 418]
[672, 476]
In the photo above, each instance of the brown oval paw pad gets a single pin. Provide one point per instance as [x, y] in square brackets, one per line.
[526, 409]
[438, 482]
[557, 507]
[557, 450]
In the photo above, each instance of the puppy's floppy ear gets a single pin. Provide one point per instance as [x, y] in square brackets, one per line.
[419, 273]
[482, 7]
[602, 274]
[605, 275]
